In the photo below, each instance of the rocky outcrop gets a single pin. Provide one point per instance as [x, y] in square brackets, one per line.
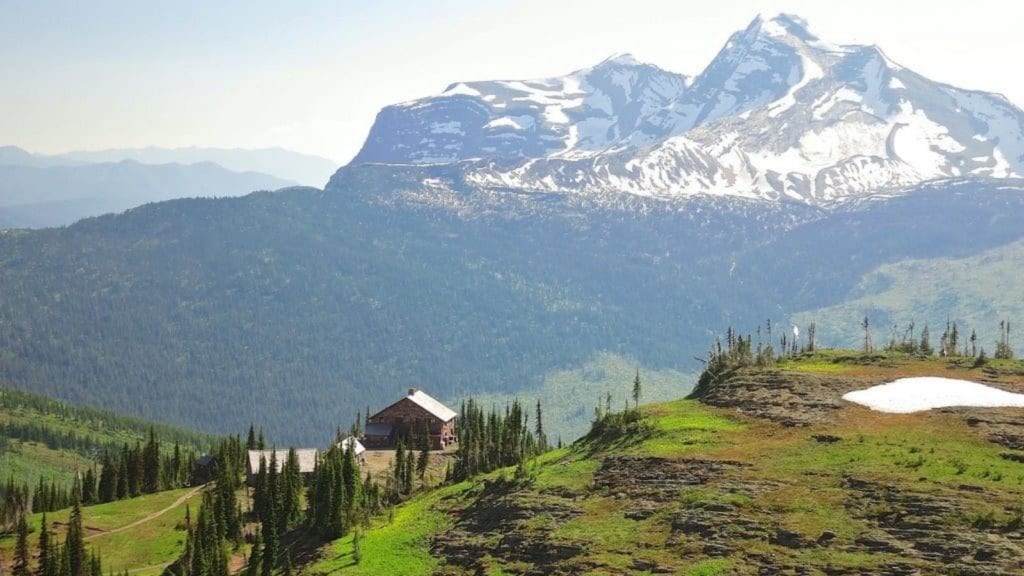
[511, 523]
[930, 527]
[788, 398]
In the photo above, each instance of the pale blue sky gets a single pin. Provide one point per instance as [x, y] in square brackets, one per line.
[310, 76]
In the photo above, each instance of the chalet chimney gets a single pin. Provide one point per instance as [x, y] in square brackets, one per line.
[412, 391]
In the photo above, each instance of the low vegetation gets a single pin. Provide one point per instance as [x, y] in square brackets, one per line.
[689, 488]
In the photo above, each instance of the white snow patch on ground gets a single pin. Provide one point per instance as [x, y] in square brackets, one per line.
[908, 395]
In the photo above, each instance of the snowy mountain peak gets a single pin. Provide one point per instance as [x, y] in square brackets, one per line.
[777, 114]
[617, 103]
[621, 59]
[786, 26]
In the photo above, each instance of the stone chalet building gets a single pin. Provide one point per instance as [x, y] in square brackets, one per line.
[408, 418]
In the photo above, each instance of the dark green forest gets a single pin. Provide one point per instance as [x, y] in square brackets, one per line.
[300, 308]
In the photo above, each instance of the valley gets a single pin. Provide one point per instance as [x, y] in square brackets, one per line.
[496, 330]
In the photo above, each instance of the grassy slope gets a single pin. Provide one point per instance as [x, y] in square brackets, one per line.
[144, 548]
[28, 461]
[155, 536]
[929, 453]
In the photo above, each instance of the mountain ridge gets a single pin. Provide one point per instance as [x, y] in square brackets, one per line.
[46, 196]
[777, 115]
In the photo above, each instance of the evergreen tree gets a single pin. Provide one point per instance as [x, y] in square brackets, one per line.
[89, 491]
[1003, 349]
[542, 439]
[253, 567]
[74, 543]
[46, 559]
[272, 506]
[350, 478]
[399, 462]
[271, 546]
[424, 459]
[21, 554]
[250, 441]
[151, 464]
[357, 550]
[64, 568]
[636, 390]
[259, 493]
[291, 492]
[122, 474]
[95, 565]
[926, 345]
[107, 490]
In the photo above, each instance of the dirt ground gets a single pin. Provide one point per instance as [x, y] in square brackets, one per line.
[379, 462]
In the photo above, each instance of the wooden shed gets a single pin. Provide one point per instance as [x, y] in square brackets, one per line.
[307, 462]
[358, 450]
[204, 470]
[409, 418]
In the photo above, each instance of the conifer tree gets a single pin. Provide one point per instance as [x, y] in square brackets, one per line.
[46, 559]
[424, 458]
[151, 464]
[250, 441]
[542, 439]
[64, 568]
[350, 478]
[89, 491]
[271, 546]
[107, 490]
[74, 543]
[926, 345]
[291, 492]
[253, 567]
[259, 493]
[21, 553]
[399, 462]
[122, 475]
[636, 390]
[95, 565]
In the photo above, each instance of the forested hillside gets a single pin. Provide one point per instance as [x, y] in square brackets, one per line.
[42, 439]
[299, 308]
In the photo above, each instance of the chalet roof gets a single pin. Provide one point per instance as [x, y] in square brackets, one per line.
[358, 449]
[377, 429]
[431, 405]
[307, 459]
[207, 459]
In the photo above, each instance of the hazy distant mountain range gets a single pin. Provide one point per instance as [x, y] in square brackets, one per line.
[40, 191]
[302, 169]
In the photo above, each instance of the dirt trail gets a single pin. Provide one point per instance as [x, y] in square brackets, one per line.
[152, 516]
